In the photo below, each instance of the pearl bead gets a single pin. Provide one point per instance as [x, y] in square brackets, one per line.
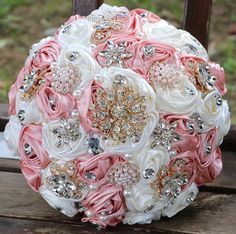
[93, 46]
[77, 93]
[98, 77]
[89, 214]
[127, 193]
[172, 153]
[92, 187]
[128, 156]
[75, 114]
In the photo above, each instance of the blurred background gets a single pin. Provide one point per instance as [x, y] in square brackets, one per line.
[24, 22]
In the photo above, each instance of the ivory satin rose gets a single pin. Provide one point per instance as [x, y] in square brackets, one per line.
[143, 89]
[66, 151]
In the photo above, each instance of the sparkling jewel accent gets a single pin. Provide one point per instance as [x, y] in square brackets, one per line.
[119, 112]
[66, 28]
[124, 174]
[73, 56]
[64, 181]
[208, 149]
[170, 181]
[190, 198]
[65, 77]
[204, 80]
[27, 149]
[32, 83]
[148, 173]
[164, 75]
[116, 53]
[68, 131]
[103, 25]
[93, 144]
[198, 122]
[148, 50]
[190, 49]
[218, 99]
[164, 135]
[21, 115]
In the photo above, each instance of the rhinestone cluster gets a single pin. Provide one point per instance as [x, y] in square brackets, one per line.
[116, 53]
[65, 77]
[164, 135]
[64, 181]
[93, 144]
[68, 131]
[170, 181]
[103, 24]
[164, 75]
[119, 112]
[32, 83]
[124, 174]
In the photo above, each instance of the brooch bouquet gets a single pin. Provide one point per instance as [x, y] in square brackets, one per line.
[119, 116]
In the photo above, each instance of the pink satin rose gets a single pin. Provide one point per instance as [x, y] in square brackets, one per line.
[32, 175]
[33, 157]
[46, 54]
[133, 22]
[141, 63]
[14, 90]
[98, 166]
[191, 62]
[30, 147]
[189, 138]
[83, 106]
[105, 206]
[209, 161]
[54, 105]
[186, 164]
[218, 71]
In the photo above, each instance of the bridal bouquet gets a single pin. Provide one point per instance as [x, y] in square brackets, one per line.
[119, 116]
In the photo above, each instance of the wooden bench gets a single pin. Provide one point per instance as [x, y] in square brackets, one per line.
[24, 211]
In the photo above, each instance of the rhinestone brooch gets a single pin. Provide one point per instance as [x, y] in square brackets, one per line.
[64, 181]
[164, 135]
[116, 53]
[119, 112]
[68, 131]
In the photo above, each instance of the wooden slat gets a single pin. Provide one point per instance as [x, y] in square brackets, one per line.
[10, 165]
[3, 116]
[197, 19]
[84, 8]
[26, 204]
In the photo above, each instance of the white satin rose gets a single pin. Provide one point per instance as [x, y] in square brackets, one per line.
[142, 205]
[166, 33]
[183, 200]
[35, 47]
[78, 32]
[104, 8]
[64, 139]
[142, 89]
[223, 125]
[182, 100]
[210, 110]
[52, 192]
[11, 135]
[64, 206]
[28, 112]
[149, 162]
[80, 56]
